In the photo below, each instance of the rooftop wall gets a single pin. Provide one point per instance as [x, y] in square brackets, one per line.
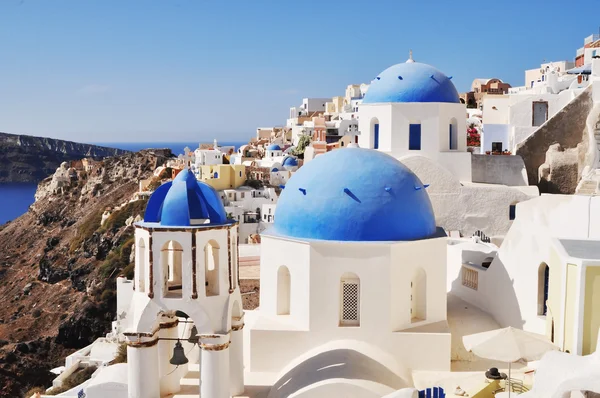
[499, 169]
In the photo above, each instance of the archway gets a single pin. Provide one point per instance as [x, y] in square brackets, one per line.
[349, 300]
[283, 290]
[140, 276]
[171, 264]
[211, 268]
[418, 296]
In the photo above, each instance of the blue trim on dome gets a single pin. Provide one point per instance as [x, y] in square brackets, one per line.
[184, 199]
[273, 147]
[354, 194]
[411, 82]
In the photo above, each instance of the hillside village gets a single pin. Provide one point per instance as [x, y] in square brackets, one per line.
[378, 224]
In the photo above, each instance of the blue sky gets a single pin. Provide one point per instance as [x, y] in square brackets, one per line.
[183, 70]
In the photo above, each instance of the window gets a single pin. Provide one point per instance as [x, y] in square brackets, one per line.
[512, 212]
[211, 268]
[350, 300]
[242, 194]
[414, 137]
[469, 278]
[496, 147]
[171, 261]
[543, 284]
[375, 133]
[453, 135]
[283, 290]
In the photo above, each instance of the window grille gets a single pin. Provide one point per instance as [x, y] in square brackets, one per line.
[469, 278]
[350, 311]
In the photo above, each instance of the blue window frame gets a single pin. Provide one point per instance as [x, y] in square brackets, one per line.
[376, 136]
[414, 137]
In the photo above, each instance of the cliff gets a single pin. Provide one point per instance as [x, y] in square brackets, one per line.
[58, 265]
[31, 159]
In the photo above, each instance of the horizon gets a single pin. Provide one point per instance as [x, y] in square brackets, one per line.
[139, 71]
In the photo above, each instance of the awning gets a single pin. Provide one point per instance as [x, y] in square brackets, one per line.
[582, 70]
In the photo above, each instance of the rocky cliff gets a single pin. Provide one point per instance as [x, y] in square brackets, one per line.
[31, 159]
[58, 266]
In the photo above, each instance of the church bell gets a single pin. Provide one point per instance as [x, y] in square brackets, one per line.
[179, 357]
[193, 339]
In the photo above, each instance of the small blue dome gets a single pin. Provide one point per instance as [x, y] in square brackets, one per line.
[354, 194]
[411, 82]
[183, 200]
[290, 162]
[273, 147]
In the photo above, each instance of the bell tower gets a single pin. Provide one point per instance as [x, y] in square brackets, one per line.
[186, 272]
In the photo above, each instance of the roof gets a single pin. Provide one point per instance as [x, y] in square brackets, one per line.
[184, 200]
[582, 248]
[411, 82]
[382, 200]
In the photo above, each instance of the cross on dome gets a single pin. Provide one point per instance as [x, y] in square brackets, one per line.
[410, 59]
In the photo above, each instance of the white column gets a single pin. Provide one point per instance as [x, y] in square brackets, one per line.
[142, 367]
[169, 377]
[214, 367]
[236, 357]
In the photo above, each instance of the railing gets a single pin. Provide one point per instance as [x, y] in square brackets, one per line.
[435, 392]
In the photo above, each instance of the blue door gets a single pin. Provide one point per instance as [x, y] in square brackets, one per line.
[376, 136]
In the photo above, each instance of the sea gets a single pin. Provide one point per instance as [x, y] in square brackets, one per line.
[15, 198]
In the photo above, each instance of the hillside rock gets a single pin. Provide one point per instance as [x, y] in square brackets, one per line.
[58, 268]
[31, 159]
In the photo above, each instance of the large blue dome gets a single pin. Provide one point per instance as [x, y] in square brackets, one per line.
[411, 82]
[184, 202]
[354, 194]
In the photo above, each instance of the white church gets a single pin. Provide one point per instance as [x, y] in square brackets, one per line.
[353, 270]
[413, 109]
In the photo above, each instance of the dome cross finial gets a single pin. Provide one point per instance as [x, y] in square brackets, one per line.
[410, 57]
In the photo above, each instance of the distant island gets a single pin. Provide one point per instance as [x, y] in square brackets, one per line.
[31, 159]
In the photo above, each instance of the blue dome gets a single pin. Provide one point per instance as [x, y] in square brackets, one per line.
[290, 162]
[354, 194]
[183, 200]
[411, 82]
[273, 147]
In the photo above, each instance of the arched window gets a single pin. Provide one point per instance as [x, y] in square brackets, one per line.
[171, 261]
[418, 296]
[141, 268]
[349, 300]
[283, 290]
[453, 135]
[414, 137]
[211, 268]
[375, 132]
[543, 284]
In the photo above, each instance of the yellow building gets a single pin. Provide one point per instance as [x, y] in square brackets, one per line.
[573, 294]
[223, 176]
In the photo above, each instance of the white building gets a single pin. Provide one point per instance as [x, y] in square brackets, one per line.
[206, 157]
[244, 204]
[414, 109]
[509, 119]
[545, 275]
[186, 267]
[354, 270]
